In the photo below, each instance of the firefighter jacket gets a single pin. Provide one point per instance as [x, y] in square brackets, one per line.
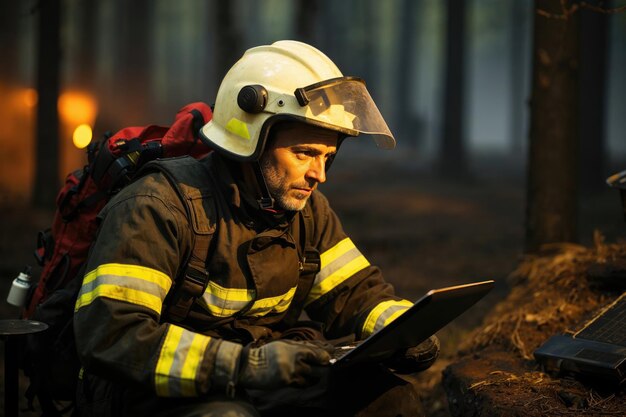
[145, 236]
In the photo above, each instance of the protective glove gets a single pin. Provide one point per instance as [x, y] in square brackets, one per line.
[275, 365]
[282, 363]
[415, 359]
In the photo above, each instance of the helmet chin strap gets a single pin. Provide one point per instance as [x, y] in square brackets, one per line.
[266, 202]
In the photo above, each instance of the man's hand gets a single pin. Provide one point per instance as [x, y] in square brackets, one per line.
[282, 363]
[415, 359]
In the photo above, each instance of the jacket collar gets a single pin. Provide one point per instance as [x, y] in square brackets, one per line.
[240, 196]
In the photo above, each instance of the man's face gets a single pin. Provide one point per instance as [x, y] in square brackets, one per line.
[295, 162]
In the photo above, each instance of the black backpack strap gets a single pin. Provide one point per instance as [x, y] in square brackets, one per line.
[192, 182]
[310, 265]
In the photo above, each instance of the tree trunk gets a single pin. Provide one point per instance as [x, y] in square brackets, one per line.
[518, 100]
[328, 36]
[9, 17]
[228, 46]
[87, 46]
[306, 20]
[593, 59]
[551, 210]
[134, 45]
[370, 65]
[452, 153]
[404, 123]
[338, 34]
[47, 143]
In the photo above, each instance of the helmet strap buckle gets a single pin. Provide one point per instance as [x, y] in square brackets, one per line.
[266, 203]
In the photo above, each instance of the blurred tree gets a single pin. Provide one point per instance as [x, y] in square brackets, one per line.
[87, 45]
[368, 57]
[551, 206]
[406, 123]
[362, 39]
[228, 38]
[334, 38]
[134, 38]
[9, 12]
[593, 72]
[47, 140]
[452, 152]
[306, 20]
[518, 24]
[253, 32]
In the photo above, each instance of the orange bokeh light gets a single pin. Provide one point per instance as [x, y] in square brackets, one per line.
[82, 136]
[76, 108]
[29, 97]
[77, 113]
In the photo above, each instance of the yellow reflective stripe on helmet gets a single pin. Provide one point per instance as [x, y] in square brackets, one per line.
[337, 265]
[383, 314]
[238, 127]
[130, 283]
[179, 361]
[225, 302]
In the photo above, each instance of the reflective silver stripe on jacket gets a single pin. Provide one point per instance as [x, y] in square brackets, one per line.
[179, 361]
[383, 314]
[337, 265]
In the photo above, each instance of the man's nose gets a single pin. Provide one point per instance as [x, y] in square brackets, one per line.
[317, 170]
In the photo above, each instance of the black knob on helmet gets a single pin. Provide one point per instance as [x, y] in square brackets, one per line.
[252, 98]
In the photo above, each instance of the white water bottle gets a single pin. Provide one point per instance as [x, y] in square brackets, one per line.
[19, 288]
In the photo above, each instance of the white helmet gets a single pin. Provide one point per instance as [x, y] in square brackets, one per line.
[288, 80]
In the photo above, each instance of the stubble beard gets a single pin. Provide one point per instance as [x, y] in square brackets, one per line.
[280, 190]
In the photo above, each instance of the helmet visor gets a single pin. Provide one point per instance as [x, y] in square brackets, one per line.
[345, 103]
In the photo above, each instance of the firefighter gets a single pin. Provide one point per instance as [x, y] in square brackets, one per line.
[262, 243]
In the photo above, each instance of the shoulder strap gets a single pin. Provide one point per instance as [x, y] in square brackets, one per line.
[310, 265]
[192, 182]
[311, 262]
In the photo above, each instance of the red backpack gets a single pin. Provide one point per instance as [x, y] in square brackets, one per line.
[63, 248]
[49, 358]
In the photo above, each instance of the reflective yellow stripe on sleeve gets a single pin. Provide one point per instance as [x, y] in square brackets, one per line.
[337, 265]
[383, 314]
[179, 361]
[130, 283]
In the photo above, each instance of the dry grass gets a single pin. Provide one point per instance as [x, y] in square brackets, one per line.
[551, 293]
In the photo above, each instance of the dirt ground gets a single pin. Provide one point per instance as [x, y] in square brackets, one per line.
[422, 231]
[555, 291]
